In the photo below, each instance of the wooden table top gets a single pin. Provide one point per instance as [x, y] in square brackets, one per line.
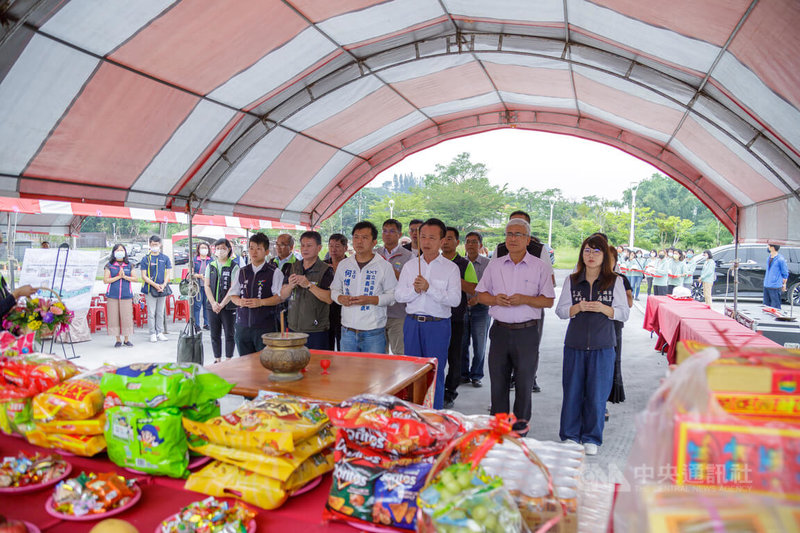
[348, 376]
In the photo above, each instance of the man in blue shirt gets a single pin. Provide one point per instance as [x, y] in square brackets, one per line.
[775, 278]
[156, 271]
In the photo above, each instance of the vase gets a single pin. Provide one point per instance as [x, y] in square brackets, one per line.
[285, 354]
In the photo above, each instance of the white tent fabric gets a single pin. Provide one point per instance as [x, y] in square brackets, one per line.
[282, 109]
[210, 232]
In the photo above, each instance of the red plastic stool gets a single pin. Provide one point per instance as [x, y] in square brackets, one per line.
[170, 303]
[139, 314]
[181, 310]
[96, 318]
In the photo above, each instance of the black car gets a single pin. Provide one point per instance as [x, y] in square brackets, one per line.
[181, 256]
[752, 269]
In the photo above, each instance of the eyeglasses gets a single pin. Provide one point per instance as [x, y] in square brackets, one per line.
[390, 231]
[516, 235]
[592, 251]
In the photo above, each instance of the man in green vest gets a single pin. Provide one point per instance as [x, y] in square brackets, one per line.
[307, 289]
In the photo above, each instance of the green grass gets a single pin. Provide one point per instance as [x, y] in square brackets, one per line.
[566, 257]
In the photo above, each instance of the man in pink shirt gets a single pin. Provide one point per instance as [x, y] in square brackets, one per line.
[516, 287]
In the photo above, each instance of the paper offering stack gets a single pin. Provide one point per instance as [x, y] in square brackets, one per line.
[265, 450]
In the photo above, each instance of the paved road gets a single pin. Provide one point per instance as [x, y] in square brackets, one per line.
[642, 369]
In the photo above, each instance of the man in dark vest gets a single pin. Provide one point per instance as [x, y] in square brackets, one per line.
[256, 291]
[307, 287]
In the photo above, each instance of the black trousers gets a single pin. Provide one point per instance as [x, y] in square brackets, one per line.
[248, 339]
[517, 351]
[660, 290]
[453, 379]
[218, 322]
[335, 331]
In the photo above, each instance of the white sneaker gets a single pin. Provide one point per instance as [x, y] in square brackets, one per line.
[571, 442]
[590, 448]
[162, 337]
[153, 338]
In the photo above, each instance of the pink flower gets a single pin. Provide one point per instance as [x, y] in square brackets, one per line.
[56, 310]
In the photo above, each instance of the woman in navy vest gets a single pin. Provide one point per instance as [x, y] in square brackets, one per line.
[118, 275]
[218, 279]
[592, 298]
[199, 265]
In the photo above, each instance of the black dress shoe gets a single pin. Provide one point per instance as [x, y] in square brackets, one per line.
[477, 383]
[536, 388]
[464, 380]
[448, 404]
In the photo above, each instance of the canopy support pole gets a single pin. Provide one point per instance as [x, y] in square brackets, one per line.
[10, 245]
[736, 267]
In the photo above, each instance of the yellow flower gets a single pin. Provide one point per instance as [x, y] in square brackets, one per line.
[35, 325]
[35, 301]
[59, 304]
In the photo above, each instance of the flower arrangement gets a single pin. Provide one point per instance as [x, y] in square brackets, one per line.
[40, 315]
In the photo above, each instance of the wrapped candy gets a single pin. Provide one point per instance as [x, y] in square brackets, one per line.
[92, 493]
[210, 516]
[24, 470]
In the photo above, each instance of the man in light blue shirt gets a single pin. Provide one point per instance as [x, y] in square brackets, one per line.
[775, 277]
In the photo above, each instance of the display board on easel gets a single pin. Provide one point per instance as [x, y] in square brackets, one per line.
[79, 273]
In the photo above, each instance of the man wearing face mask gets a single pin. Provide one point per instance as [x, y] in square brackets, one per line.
[636, 266]
[199, 264]
[660, 274]
[156, 271]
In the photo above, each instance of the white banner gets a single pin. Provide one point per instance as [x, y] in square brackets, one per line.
[39, 267]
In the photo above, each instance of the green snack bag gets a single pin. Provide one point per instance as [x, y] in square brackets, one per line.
[16, 416]
[148, 440]
[160, 385]
[201, 412]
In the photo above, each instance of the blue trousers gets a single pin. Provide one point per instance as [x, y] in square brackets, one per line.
[371, 341]
[772, 297]
[200, 301]
[636, 282]
[587, 377]
[476, 327]
[429, 339]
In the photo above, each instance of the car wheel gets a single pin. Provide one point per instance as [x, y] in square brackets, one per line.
[793, 294]
[697, 291]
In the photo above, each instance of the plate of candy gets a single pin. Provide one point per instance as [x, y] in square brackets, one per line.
[28, 473]
[211, 514]
[92, 496]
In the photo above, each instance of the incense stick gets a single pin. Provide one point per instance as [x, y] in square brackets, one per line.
[283, 327]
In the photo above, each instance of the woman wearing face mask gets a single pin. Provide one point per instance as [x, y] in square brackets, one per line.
[708, 275]
[688, 269]
[218, 276]
[649, 269]
[201, 261]
[636, 266]
[118, 274]
[661, 274]
[676, 270]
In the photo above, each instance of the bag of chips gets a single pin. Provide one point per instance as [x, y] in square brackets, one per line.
[92, 426]
[16, 413]
[84, 445]
[201, 412]
[148, 440]
[279, 467]
[77, 398]
[383, 496]
[37, 372]
[392, 426]
[225, 480]
[152, 385]
[270, 424]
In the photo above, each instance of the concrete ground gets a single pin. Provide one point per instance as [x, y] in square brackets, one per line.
[642, 368]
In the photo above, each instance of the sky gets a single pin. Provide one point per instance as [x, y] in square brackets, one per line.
[537, 161]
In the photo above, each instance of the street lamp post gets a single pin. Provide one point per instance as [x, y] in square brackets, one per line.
[634, 186]
[550, 231]
[391, 208]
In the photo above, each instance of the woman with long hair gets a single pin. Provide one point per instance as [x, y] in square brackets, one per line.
[199, 265]
[118, 274]
[676, 270]
[217, 281]
[593, 297]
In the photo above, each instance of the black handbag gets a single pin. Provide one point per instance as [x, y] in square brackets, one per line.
[190, 345]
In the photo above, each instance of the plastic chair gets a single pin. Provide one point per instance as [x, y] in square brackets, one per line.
[170, 303]
[181, 310]
[140, 314]
[96, 318]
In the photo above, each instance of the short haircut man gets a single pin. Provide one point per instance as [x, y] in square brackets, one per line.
[476, 235]
[260, 238]
[397, 256]
[413, 233]
[393, 222]
[154, 238]
[312, 235]
[338, 237]
[520, 213]
[437, 223]
[366, 224]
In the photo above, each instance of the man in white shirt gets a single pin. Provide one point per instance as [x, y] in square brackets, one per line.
[429, 286]
[364, 286]
[397, 256]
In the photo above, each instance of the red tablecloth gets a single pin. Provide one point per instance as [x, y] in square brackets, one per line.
[161, 497]
[676, 320]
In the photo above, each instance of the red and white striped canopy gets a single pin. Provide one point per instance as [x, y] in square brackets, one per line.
[282, 109]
